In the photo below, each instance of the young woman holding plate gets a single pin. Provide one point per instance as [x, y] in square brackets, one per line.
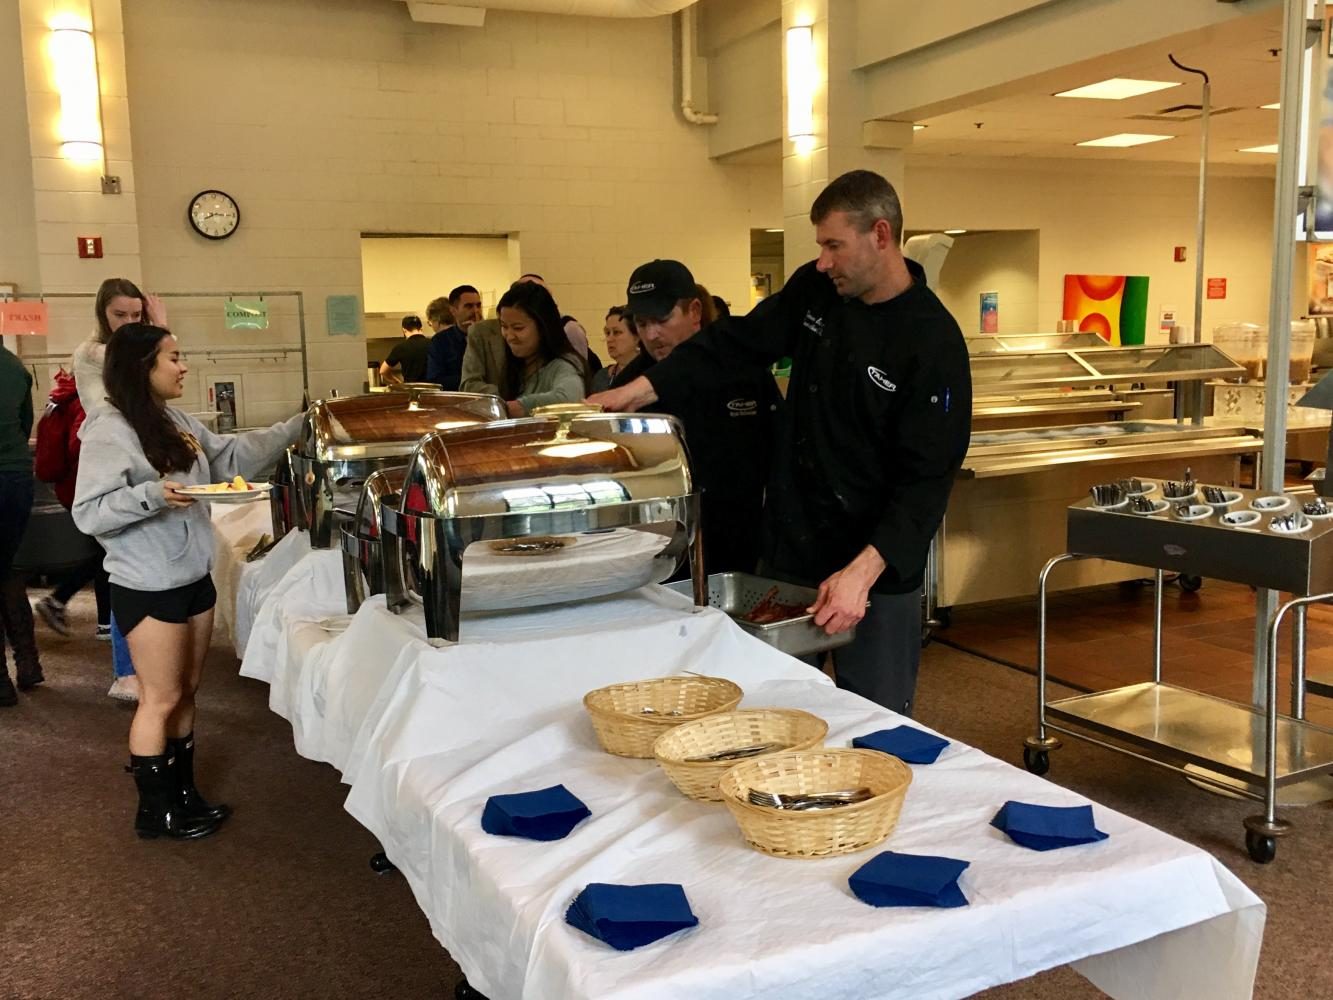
[138, 454]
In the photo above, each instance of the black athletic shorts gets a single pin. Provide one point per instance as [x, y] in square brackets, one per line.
[177, 605]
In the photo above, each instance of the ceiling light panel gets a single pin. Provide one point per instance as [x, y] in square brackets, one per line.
[1123, 139]
[1118, 89]
[1260, 149]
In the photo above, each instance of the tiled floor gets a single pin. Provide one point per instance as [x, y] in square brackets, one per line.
[1102, 638]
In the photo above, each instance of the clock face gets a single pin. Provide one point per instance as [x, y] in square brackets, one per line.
[214, 215]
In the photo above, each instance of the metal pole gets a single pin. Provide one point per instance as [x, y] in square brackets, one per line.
[1191, 404]
[1294, 36]
[1298, 622]
[1158, 585]
[305, 359]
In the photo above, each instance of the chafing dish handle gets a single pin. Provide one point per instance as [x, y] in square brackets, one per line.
[396, 595]
[698, 572]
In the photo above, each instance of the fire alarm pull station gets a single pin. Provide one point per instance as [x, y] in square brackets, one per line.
[90, 246]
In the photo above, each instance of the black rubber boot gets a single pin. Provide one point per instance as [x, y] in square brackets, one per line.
[17, 616]
[160, 814]
[193, 805]
[8, 696]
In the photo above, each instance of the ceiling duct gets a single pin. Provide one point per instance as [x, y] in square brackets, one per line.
[472, 13]
[1182, 113]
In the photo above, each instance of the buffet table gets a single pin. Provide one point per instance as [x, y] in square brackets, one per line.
[424, 735]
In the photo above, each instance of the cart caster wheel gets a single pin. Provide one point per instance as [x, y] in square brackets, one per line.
[1262, 849]
[381, 865]
[1190, 584]
[464, 991]
[1036, 761]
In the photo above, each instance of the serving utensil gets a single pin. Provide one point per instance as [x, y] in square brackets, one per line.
[1316, 507]
[1107, 494]
[812, 800]
[736, 753]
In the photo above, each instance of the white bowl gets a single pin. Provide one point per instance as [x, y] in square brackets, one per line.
[1241, 518]
[1195, 512]
[1271, 504]
[1158, 507]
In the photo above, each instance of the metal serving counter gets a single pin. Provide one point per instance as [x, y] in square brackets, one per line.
[1274, 541]
[1006, 513]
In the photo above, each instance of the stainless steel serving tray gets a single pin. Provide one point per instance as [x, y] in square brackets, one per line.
[1101, 366]
[737, 593]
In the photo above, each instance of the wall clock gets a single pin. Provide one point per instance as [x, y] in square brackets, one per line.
[214, 214]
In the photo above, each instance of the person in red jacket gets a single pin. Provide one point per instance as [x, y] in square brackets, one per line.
[57, 463]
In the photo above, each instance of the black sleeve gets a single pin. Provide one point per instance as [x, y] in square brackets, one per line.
[931, 442]
[738, 343]
[396, 355]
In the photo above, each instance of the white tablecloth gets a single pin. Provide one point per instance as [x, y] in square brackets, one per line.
[424, 735]
[236, 529]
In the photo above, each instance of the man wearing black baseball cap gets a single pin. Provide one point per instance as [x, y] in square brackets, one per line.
[876, 425]
[728, 428]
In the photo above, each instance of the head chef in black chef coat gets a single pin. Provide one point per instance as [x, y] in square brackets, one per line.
[877, 421]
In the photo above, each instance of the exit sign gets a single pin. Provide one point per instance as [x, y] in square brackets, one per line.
[1217, 288]
[90, 246]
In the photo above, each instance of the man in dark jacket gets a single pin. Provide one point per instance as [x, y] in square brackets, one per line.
[729, 426]
[15, 508]
[876, 425]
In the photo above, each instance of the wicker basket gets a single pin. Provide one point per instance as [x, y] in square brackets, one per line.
[825, 832]
[725, 731]
[624, 730]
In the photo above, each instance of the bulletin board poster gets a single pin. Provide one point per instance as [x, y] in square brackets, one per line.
[1113, 306]
[990, 312]
[344, 315]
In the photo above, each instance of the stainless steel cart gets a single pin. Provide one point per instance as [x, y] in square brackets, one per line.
[1171, 726]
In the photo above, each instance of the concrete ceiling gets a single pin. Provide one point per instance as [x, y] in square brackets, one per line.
[1030, 122]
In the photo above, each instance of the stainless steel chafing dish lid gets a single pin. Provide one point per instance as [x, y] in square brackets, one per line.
[388, 423]
[540, 464]
[384, 486]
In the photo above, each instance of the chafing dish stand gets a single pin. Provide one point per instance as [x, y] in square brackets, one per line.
[1173, 727]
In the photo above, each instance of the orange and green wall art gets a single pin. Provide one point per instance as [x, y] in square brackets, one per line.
[1113, 306]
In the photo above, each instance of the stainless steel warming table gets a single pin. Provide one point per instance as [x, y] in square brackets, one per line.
[1244, 536]
[539, 511]
[344, 439]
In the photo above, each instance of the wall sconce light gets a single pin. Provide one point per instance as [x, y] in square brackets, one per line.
[801, 79]
[74, 59]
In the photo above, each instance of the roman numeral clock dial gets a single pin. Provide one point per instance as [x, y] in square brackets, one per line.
[214, 214]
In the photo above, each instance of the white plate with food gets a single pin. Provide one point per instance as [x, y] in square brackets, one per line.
[235, 491]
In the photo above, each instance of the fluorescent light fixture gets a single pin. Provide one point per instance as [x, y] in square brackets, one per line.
[1260, 149]
[802, 76]
[774, 230]
[1123, 139]
[954, 232]
[1118, 89]
[918, 128]
[74, 60]
[1275, 106]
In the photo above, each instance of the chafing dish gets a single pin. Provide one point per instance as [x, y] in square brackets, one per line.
[344, 440]
[363, 567]
[539, 510]
[282, 495]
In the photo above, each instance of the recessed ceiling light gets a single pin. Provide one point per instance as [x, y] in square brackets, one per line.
[1118, 89]
[1121, 139]
[1276, 105]
[1259, 149]
[954, 232]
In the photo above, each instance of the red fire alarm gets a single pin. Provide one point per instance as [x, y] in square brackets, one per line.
[1180, 254]
[1217, 288]
[90, 246]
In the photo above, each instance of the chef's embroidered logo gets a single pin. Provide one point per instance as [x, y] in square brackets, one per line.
[743, 407]
[640, 287]
[813, 323]
[880, 379]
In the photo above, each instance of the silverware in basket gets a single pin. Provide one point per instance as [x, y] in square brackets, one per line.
[649, 710]
[736, 753]
[1107, 494]
[813, 800]
[1214, 494]
[1143, 505]
[1318, 507]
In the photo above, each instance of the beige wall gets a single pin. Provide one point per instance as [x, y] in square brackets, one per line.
[1120, 220]
[1004, 262]
[329, 118]
[403, 275]
[18, 226]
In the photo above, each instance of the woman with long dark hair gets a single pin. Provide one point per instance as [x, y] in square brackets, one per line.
[137, 453]
[541, 367]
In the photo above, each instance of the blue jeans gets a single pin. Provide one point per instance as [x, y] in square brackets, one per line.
[120, 652]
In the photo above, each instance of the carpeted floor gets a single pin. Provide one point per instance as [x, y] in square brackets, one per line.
[282, 903]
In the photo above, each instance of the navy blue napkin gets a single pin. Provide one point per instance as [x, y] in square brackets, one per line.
[906, 743]
[1045, 828]
[547, 814]
[630, 916]
[893, 879]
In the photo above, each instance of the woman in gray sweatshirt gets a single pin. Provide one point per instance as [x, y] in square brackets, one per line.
[137, 452]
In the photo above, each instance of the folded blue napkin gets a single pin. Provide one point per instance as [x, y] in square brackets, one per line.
[905, 743]
[547, 814]
[630, 916]
[893, 879]
[1045, 828]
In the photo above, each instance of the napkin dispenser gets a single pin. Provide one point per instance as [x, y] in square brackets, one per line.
[362, 553]
[540, 510]
[344, 439]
